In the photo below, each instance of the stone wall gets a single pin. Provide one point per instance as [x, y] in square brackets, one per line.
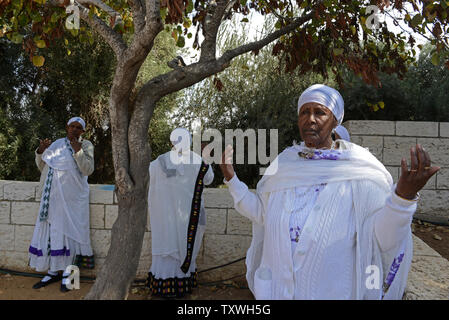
[389, 141]
[227, 237]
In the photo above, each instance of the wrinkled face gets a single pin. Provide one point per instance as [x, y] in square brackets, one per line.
[74, 130]
[315, 123]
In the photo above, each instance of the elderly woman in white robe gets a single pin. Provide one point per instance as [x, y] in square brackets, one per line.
[177, 216]
[329, 223]
[62, 229]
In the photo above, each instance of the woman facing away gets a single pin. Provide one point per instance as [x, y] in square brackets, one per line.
[328, 222]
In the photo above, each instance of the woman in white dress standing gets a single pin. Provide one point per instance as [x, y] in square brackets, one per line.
[177, 216]
[62, 227]
[329, 223]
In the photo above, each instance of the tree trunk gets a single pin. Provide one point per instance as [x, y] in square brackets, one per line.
[132, 155]
[120, 267]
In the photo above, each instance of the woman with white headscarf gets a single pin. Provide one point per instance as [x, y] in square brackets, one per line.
[329, 223]
[62, 234]
[177, 216]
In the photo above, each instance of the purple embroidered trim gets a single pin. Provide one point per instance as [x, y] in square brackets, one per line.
[320, 155]
[53, 253]
[394, 269]
[61, 252]
[35, 251]
[294, 234]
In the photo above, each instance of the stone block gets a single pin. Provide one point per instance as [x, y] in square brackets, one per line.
[394, 171]
[6, 237]
[215, 221]
[438, 149]
[97, 217]
[100, 240]
[217, 198]
[238, 224]
[22, 239]
[428, 279]
[5, 212]
[433, 202]
[24, 212]
[370, 127]
[373, 143]
[110, 216]
[417, 128]
[431, 184]
[420, 248]
[220, 249]
[2, 184]
[444, 129]
[98, 195]
[14, 260]
[396, 148]
[443, 178]
[20, 191]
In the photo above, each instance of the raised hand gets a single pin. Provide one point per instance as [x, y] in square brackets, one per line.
[43, 144]
[75, 144]
[413, 180]
[226, 163]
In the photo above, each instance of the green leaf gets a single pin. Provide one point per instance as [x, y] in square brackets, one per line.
[17, 38]
[181, 42]
[416, 20]
[338, 51]
[435, 59]
[189, 7]
[381, 104]
[38, 61]
[277, 25]
[54, 17]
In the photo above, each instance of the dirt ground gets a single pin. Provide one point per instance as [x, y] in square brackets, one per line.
[14, 287]
[19, 288]
[436, 237]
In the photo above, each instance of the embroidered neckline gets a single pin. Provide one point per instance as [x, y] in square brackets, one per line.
[319, 154]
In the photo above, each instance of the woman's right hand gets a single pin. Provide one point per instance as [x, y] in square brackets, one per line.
[43, 144]
[226, 163]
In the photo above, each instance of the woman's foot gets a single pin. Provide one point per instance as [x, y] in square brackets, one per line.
[49, 278]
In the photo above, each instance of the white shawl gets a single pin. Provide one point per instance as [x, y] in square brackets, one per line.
[170, 201]
[69, 198]
[269, 269]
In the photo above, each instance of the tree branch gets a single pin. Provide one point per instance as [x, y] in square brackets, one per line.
[114, 39]
[184, 77]
[138, 11]
[212, 22]
[103, 6]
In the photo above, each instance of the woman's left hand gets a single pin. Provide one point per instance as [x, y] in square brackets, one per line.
[413, 180]
[75, 144]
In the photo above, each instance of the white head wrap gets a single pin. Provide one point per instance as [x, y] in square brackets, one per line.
[326, 96]
[342, 132]
[79, 120]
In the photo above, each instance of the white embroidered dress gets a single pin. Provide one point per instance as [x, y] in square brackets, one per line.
[319, 224]
[65, 232]
[169, 205]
